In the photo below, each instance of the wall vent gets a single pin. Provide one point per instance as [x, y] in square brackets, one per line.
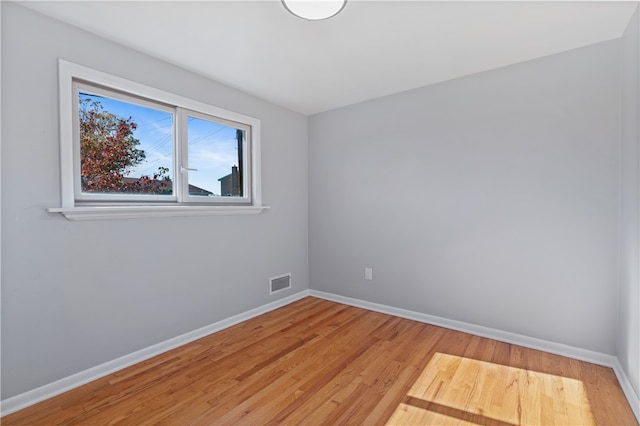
[279, 283]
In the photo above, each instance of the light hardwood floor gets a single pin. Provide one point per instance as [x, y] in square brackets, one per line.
[317, 362]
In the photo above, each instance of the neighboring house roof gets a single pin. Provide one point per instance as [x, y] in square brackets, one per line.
[193, 190]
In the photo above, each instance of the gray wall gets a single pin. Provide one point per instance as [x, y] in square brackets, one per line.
[490, 199]
[629, 295]
[77, 294]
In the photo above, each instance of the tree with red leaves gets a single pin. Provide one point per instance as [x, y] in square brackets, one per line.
[108, 153]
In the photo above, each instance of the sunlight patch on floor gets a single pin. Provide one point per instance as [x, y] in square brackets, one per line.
[458, 390]
[410, 415]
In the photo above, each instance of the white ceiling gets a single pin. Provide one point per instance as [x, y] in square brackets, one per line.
[371, 49]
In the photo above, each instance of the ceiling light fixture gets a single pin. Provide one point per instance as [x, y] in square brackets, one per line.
[314, 10]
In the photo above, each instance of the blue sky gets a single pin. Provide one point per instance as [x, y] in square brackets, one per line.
[212, 147]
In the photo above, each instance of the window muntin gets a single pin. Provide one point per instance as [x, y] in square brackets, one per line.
[174, 154]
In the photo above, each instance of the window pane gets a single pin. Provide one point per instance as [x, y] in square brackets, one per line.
[215, 151]
[124, 148]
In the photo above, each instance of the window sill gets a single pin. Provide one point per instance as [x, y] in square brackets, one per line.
[133, 212]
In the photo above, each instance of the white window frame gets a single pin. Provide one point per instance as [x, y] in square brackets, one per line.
[85, 198]
[183, 192]
[80, 208]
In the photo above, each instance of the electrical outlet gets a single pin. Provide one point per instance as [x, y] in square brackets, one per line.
[368, 273]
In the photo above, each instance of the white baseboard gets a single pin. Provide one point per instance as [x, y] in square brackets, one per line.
[34, 396]
[629, 392]
[503, 336]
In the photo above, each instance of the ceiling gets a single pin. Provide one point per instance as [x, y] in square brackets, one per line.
[371, 49]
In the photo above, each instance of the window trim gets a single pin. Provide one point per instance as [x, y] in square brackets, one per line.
[69, 72]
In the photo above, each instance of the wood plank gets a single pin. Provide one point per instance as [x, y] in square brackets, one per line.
[323, 363]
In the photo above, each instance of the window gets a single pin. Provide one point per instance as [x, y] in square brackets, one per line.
[129, 150]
